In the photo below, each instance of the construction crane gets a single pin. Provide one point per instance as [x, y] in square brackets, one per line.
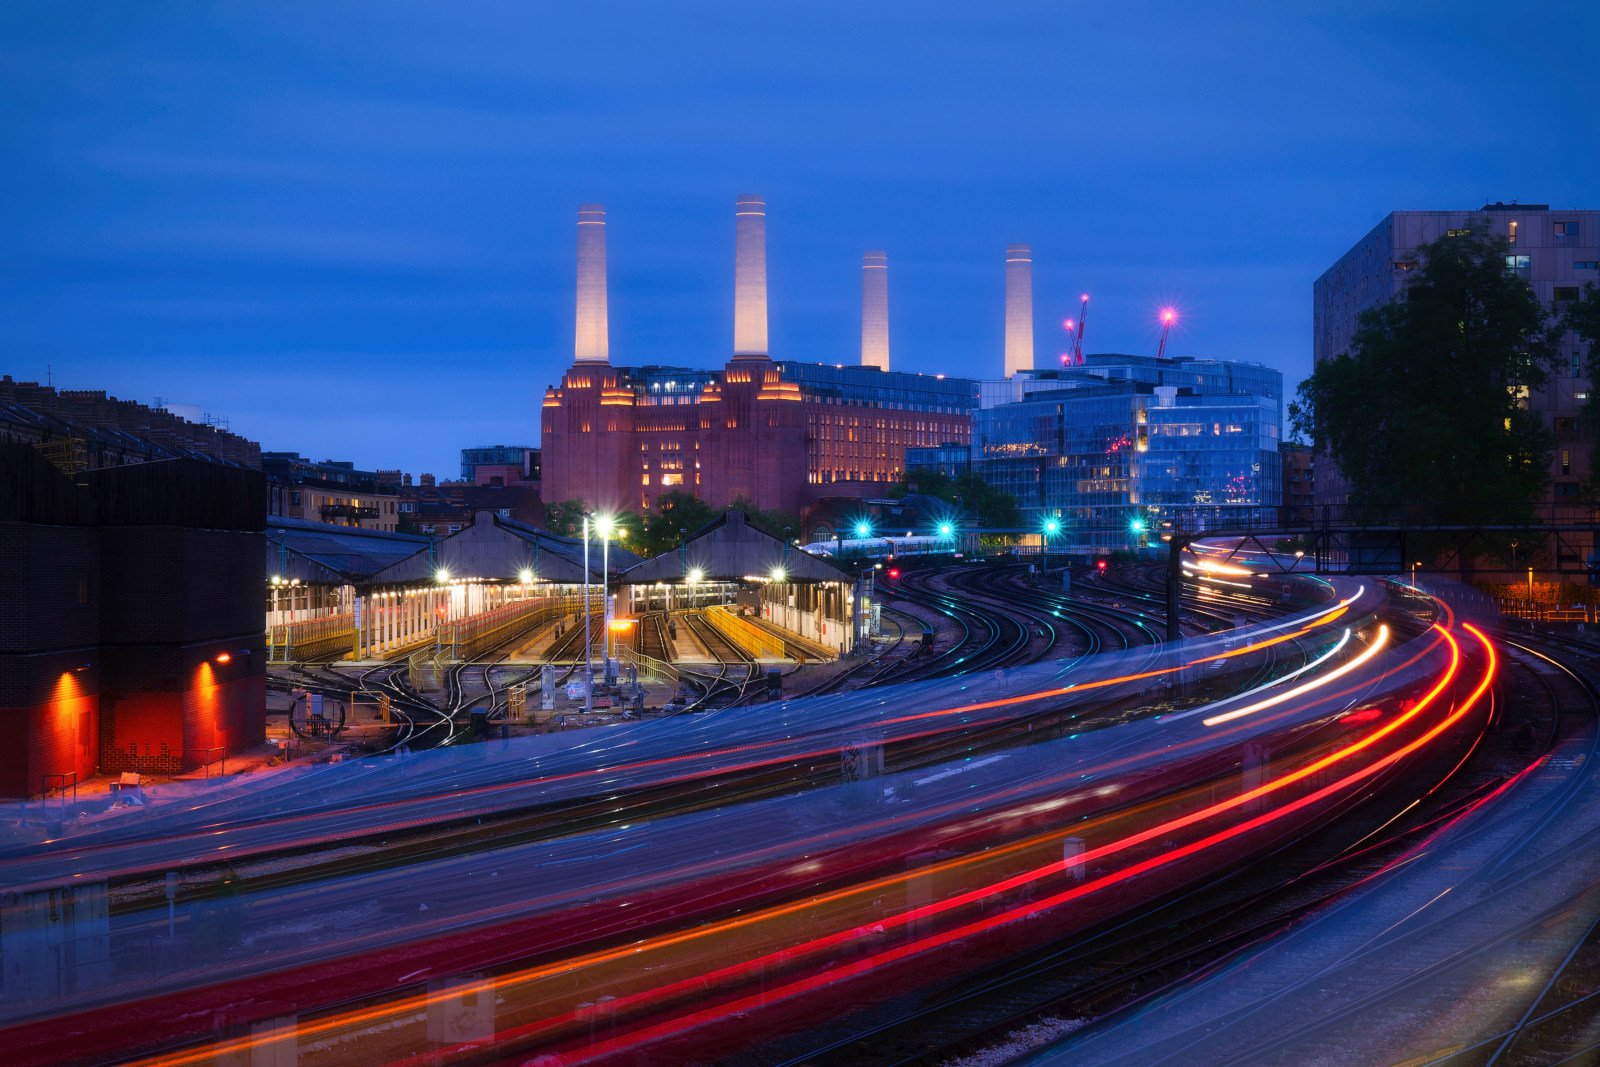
[1069, 326]
[1077, 344]
[1168, 317]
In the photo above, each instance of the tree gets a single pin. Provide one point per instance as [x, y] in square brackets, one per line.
[784, 525]
[1583, 319]
[966, 492]
[566, 517]
[629, 529]
[677, 514]
[1427, 415]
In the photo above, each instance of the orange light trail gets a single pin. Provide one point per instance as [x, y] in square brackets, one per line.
[508, 982]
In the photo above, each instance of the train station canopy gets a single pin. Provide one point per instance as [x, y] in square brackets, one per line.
[495, 548]
[729, 549]
[320, 553]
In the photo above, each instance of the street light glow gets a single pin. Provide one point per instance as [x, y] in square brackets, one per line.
[441, 575]
[696, 575]
[525, 575]
[777, 574]
[1136, 525]
[604, 525]
[863, 529]
[1052, 527]
[945, 529]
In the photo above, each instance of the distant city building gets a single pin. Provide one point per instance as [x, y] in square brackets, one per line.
[1133, 436]
[79, 429]
[949, 459]
[444, 508]
[331, 491]
[1556, 251]
[500, 465]
[780, 434]
[1299, 482]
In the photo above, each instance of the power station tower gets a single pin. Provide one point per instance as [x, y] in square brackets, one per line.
[593, 344]
[1019, 309]
[750, 278]
[875, 310]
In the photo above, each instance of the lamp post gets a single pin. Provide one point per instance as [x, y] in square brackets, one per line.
[604, 525]
[1530, 589]
[1050, 529]
[588, 644]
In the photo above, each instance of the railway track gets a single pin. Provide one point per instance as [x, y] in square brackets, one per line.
[1111, 974]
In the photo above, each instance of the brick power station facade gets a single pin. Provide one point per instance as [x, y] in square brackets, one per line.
[130, 635]
[777, 433]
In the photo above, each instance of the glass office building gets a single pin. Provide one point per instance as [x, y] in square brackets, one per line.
[1127, 437]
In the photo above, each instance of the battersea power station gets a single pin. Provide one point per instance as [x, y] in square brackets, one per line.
[778, 433]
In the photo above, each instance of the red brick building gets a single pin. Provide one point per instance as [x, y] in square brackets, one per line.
[780, 434]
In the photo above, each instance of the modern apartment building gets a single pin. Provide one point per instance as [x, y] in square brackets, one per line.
[1556, 251]
[1123, 437]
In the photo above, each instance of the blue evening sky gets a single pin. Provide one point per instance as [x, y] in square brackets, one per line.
[349, 227]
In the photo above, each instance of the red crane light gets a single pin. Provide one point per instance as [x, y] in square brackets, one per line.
[1169, 316]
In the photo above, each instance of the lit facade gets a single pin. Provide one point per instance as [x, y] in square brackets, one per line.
[780, 434]
[330, 491]
[1129, 435]
[1557, 252]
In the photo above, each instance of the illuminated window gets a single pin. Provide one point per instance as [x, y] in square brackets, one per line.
[1586, 264]
[1457, 233]
[1566, 461]
[1566, 231]
[1405, 264]
[1518, 265]
[1511, 232]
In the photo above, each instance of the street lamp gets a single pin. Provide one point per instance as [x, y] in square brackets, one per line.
[1136, 528]
[863, 530]
[588, 641]
[696, 576]
[605, 526]
[1051, 528]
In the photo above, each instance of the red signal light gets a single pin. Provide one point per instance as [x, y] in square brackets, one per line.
[1100, 565]
[894, 572]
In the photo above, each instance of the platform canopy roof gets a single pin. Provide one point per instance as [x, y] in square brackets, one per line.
[495, 548]
[320, 553]
[728, 549]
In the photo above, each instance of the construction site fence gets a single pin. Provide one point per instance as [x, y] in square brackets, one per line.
[752, 639]
[1548, 613]
[306, 638]
[469, 637]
